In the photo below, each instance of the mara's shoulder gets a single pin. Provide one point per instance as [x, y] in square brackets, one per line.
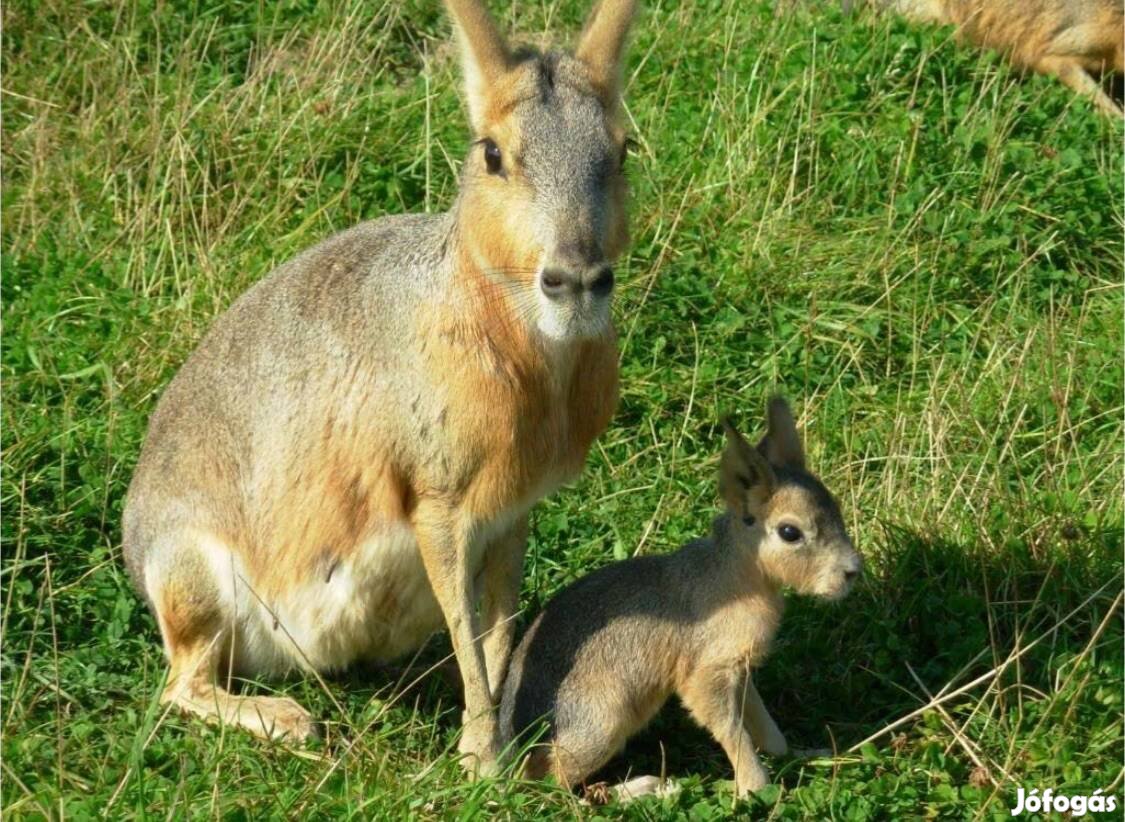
[414, 240]
[362, 274]
[397, 253]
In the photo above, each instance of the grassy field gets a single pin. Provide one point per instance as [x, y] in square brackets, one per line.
[920, 248]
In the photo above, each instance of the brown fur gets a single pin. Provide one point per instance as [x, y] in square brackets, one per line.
[608, 651]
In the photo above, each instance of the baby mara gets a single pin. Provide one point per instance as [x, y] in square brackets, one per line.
[605, 654]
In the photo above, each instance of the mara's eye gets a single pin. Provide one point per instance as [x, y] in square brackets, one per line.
[491, 156]
[789, 533]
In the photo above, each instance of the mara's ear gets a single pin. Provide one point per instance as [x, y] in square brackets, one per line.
[602, 46]
[746, 480]
[484, 54]
[782, 444]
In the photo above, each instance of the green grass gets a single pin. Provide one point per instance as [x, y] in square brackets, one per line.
[923, 250]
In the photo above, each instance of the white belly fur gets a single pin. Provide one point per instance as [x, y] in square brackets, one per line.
[377, 604]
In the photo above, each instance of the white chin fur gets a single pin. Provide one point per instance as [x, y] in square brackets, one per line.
[571, 321]
[834, 590]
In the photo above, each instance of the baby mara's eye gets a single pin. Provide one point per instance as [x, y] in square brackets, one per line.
[492, 159]
[789, 533]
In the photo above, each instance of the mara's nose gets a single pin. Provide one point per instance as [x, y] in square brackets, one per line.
[852, 572]
[559, 282]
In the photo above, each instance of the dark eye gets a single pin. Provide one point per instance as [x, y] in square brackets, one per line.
[789, 533]
[491, 157]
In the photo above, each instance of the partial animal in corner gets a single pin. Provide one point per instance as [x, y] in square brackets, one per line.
[606, 653]
[1077, 41]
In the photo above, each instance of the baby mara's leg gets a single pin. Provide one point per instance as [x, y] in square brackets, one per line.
[764, 731]
[767, 736]
[714, 697]
[592, 732]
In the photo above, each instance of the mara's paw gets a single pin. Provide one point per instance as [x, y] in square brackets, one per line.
[635, 788]
[773, 742]
[277, 717]
[479, 747]
[754, 779]
[477, 765]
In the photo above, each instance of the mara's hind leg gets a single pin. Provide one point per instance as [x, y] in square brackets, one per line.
[579, 751]
[571, 763]
[1072, 74]
[195, 622]
[572, 756]
[192, 689]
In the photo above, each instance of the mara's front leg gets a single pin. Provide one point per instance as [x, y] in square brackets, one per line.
[713, 695]
[767, 736]
[500, 579]
[445, 554]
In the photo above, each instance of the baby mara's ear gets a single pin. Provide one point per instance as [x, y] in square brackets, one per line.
[746, 480]
[782, 444]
